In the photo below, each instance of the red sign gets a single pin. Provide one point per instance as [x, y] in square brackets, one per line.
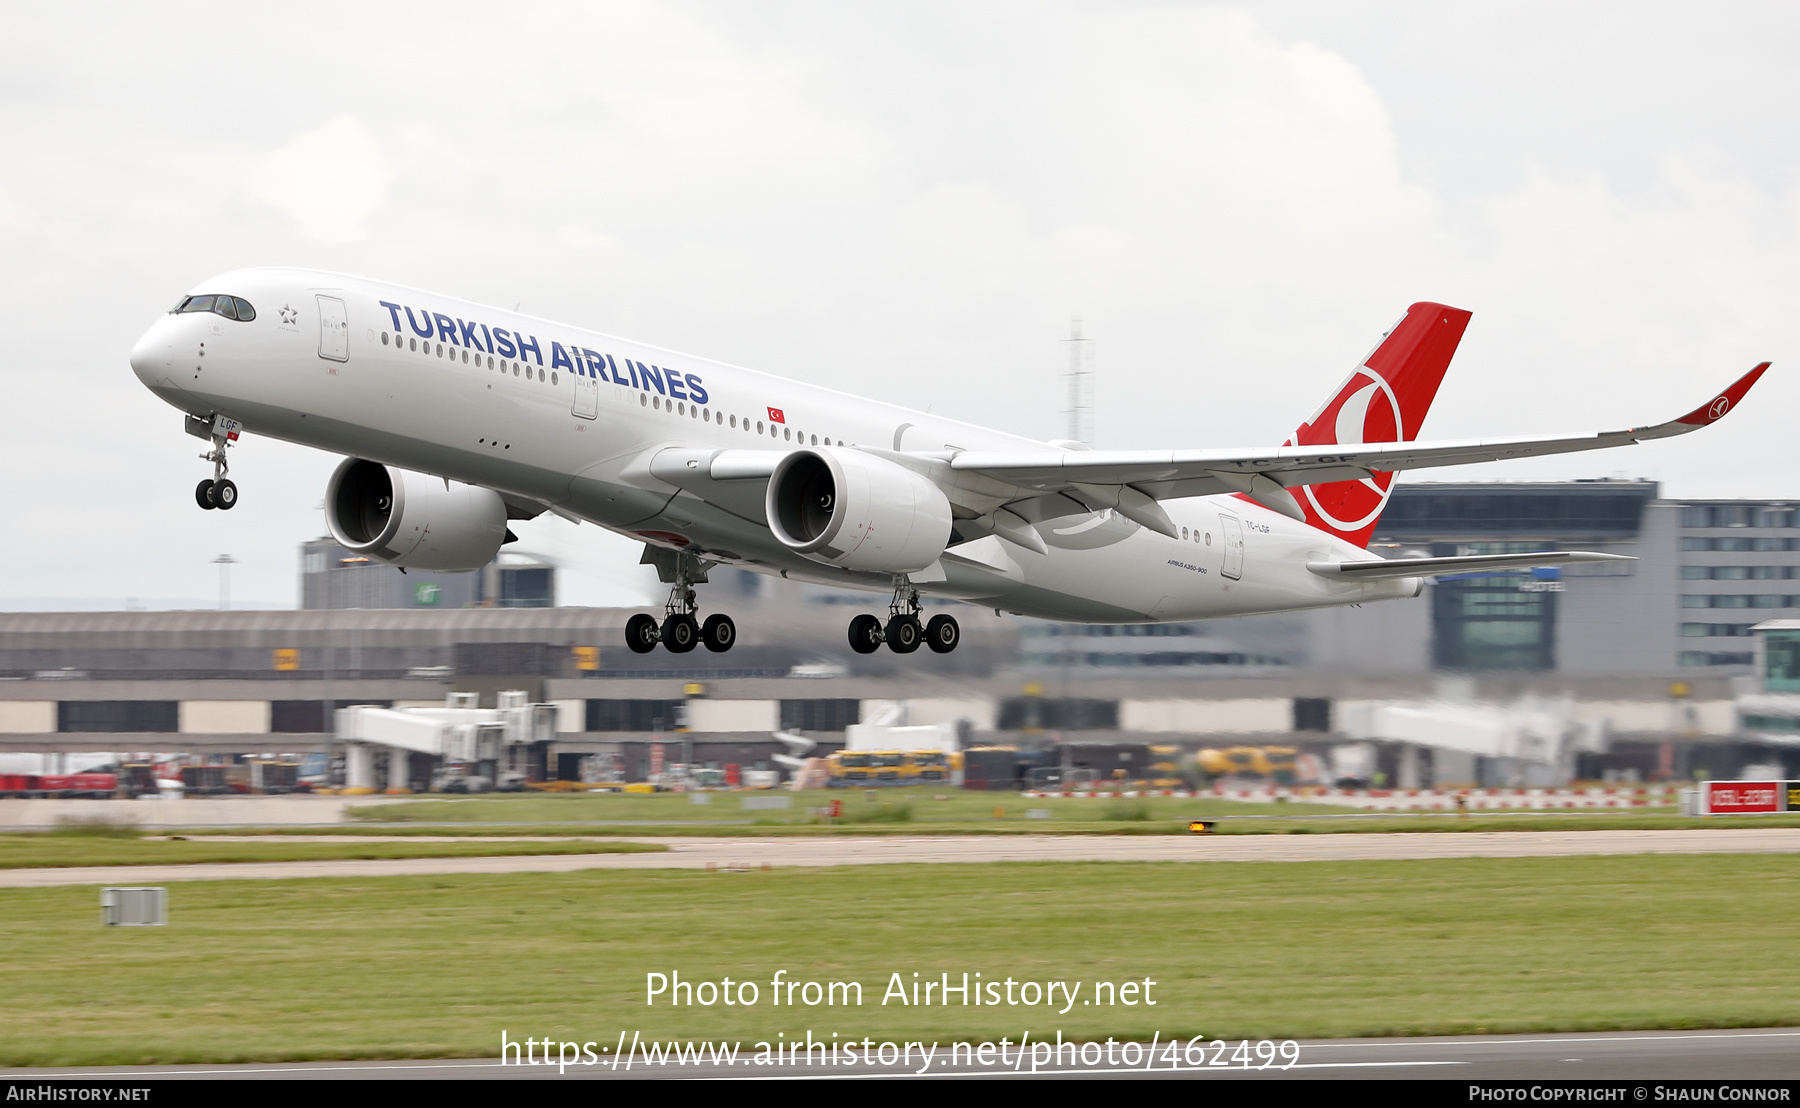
[776, 416]
[1727, 797]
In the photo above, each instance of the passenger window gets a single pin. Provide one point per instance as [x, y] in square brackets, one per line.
[553, 378]
[245, 312]
[759, 426]
[412, 344]
[384, 338]
[734, 423]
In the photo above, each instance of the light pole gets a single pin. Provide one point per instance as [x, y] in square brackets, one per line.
[224, 562]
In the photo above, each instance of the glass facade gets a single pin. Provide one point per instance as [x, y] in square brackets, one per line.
[1783, 661]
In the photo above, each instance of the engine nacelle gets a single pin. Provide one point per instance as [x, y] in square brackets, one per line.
[413, 521]
[854, 510]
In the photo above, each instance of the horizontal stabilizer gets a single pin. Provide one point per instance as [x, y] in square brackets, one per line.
[1375, 568]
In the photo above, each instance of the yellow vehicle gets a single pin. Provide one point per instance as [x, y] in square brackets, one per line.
[885, 766]
[1275, 762]
[1233, 761]
[925, 767]
[863, 768]
[850, 767]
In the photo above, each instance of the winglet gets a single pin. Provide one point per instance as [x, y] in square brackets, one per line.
[1716, 408]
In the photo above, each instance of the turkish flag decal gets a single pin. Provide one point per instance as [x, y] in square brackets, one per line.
[775, 416]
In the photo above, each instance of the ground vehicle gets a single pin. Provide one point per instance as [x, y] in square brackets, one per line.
[1274, 762]
[927, 767]
[92, 785]
[861, 768]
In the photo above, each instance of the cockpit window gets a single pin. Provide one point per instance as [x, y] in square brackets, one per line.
[231, 307]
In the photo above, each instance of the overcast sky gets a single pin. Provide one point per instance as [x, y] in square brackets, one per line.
[906, 201]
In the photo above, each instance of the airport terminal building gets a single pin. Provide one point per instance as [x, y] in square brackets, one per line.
[1652, 655]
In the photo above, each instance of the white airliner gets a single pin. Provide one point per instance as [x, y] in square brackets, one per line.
[456, 418]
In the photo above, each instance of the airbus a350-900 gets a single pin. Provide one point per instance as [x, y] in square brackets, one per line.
[455, 418]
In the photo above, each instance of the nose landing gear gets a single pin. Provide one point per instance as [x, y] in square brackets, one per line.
[904, 631]
[219, 492]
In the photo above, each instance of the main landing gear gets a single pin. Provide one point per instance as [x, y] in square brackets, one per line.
[903, 632]
[219, 492]
[680, 630]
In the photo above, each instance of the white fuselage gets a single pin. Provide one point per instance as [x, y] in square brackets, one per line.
[554, 415]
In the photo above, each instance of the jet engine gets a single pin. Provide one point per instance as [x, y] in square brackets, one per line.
[411, 520]
[856, 511]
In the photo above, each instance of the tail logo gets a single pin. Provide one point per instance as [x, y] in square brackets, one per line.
[1719, 407]
[1365, 410]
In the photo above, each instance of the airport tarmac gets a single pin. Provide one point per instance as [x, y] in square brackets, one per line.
[753, 853]
[1744, 1058]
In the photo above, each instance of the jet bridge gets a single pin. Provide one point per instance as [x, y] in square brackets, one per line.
[478, 746]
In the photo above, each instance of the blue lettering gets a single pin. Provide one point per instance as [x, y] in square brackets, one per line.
[558, 358]
[651, 376]
[531, 346]
[595, 363]
[468, 334]
[675, 385]
[393, 310]
[426, 330]
[614, 366]
[446, 328]
[693, 383]
[490, 338]
[503, 341]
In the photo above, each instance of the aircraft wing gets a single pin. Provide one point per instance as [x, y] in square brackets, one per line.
[1373, 568]
[1131, 480]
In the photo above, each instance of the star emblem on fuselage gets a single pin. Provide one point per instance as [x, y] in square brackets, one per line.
[288, 314]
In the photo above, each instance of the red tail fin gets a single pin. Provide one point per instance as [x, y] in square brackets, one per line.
[1384, 400]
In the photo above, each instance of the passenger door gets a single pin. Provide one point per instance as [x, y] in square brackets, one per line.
[587, 395]
[334, 329]
[1233, 533]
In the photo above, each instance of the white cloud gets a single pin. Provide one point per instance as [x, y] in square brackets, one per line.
[329, 180]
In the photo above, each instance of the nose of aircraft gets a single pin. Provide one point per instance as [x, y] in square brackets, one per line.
[152, 357]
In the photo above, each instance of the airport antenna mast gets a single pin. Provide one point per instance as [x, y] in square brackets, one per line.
[1081, 384]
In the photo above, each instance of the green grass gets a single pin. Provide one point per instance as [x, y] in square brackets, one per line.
[431, 966]
[53, 849]
[959, 812]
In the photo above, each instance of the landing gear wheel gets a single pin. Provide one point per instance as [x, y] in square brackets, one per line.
[865, 634]
[641, 634]
[904, 633]
[680, 633]
[942, 634]
[718, 633]
[203, 495]
[224, 494]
